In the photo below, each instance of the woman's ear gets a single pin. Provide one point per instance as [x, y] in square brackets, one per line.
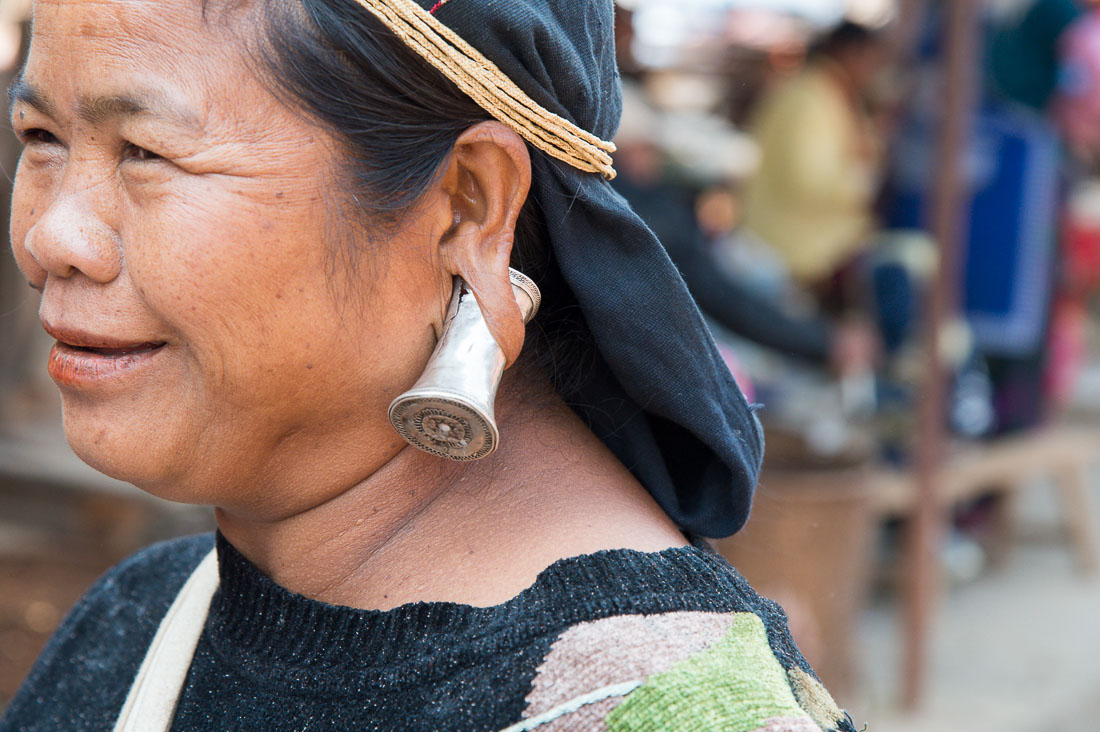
[487, 179]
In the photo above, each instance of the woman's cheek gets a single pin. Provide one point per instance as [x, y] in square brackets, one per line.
[226, 255]
[223, 290]
[20, 225]
[30, 197]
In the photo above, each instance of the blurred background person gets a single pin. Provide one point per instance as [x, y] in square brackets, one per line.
[812, 197]
[729, 297]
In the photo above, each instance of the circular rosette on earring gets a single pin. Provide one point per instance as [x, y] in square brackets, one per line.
[449, 411]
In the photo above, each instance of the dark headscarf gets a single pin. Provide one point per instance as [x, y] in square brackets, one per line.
[660, 396]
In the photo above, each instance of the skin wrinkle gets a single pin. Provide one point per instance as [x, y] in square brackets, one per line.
[331, 586]
[269, 399]
[346, 233]
[99, 110]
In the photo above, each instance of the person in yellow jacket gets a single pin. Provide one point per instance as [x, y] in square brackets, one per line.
[811, 197]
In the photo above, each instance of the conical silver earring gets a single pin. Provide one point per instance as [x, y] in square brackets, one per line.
[449, 411]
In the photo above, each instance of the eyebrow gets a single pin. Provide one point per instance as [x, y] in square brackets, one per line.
[98, 110]
[21, 91]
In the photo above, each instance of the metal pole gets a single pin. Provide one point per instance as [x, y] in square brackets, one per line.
[960, 66]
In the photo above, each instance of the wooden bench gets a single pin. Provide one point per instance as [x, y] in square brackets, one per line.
[809, 540]
[1062, 453]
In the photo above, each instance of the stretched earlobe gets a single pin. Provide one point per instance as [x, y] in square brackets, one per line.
[449, 411]
[484, 268]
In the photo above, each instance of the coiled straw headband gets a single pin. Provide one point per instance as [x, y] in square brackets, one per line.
[481, 80]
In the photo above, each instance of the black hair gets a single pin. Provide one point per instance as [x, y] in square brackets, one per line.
[398, 118]
[844, 37]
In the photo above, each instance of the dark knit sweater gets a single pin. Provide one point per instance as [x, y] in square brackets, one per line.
[680, 625]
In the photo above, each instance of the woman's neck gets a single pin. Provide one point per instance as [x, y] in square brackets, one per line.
[426, 529]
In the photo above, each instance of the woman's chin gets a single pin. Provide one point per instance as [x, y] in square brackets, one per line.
[145, 457]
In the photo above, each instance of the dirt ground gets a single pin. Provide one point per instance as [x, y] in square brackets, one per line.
[1017, 650]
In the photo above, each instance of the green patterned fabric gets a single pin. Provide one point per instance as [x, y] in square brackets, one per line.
[736, 685]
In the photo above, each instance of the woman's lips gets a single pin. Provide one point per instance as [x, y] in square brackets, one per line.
[72, 365]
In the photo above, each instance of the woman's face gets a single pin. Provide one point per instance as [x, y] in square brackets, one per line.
[180, 223]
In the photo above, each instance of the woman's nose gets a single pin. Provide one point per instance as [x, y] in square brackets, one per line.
[69, 239]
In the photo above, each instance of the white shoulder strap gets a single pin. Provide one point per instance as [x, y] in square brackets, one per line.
[151, 703]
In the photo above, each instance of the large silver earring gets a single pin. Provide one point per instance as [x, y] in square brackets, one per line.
[449, 411]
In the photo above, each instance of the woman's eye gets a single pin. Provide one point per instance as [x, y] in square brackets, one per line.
[135, 152]
[37, 136]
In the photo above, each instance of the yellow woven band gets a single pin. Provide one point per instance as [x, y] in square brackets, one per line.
[482, 81]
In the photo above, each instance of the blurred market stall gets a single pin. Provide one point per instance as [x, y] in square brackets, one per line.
[957, 137]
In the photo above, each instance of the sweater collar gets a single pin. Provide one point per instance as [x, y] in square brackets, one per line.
[268, 627]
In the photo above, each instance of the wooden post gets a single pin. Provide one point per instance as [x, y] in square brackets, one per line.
[904, 34]
[961, 61]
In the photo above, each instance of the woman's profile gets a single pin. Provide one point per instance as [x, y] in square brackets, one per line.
[351, 273]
